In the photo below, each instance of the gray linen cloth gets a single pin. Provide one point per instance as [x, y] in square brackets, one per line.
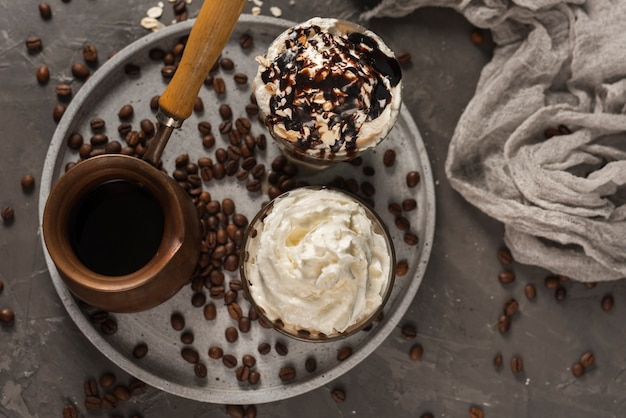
[562, 198]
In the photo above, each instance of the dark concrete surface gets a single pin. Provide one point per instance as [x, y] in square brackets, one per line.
[44, 358]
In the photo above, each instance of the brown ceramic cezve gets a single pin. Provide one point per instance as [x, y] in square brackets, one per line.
[175, 259]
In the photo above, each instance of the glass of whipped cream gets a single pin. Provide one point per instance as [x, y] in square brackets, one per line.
[318, 264]
[329, 90]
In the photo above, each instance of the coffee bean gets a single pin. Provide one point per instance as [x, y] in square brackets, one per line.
[287, 374]
[132, 69]
[45, 11]
[140, 350]
[93, 403]
[225, 112]
[98, 139]
[235, 411]
[33, 43]
[416, 352]
[109, 326]
[254, 185]
[99, 317]
[246, 41]
[403, 58]
[310, 364]
[190, 355]
[126, 112]
[43, 74]
[58, 111]
[198, 299]
[506, 277]
[168, 71]
[240, 78]
[200, 370]
[497, 361]
[504, 323]
[578, 369]
[427, 415]
[147, 127]
[90, 53]
[226, 64]
[344, 352]
[389, 158]
[253, 380]
[219, 86]
[402, 223]
[229, 361]
[63, 91]
[107, 380]
[409, 204]
[411, 238]
[27, 182]
[560, 294]
[252, 109]
[234, 310]
[368, 189]
[517, 364]
[69, 411]
[90, 387]
[264, 348]
[136, 387]
[530, 291]
[215, 352]
[510, 307]
[1, 286]
[412, 178]
[504, 256]
[281, 349]
[109, 401]
[80, 71]
[242, 373]
[402, 268]
[551, 282]
[338, 395]
[607, 303]
[409, 332]
[177, 320]
[242, 125]
[187, 337]
[587, 359]
[244, 324]
[231, 334]
[476, 412]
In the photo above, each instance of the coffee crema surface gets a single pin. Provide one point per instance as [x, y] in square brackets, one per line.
[329, 88]
[317, 262]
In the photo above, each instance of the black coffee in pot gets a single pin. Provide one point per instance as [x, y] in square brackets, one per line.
[117, 228]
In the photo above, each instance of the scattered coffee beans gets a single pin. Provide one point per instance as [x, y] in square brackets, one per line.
[287, 374]
[281, 349]
[587, 359]
[43, 74]
[506, 277]
[504, 323]
[140, 350]
[607, 303]
[90, 54]
[578, 370]
[338, 395]
[107, 380]
[310, 364]
[264, 348]
[45, 11]
[476, 412]
[7, 316]
[231, 334]
[530, 291]
[416, 352]
[504, 256]
[177, 321]
[409, 332]
[69, 411]
[246, 41]
[190, 355]
[477, 37]
[80, 71]
[497, 361]
[517, 364]
[34, 44]
[28, 182]
[402, 268]
[412, 178]
[403, 58]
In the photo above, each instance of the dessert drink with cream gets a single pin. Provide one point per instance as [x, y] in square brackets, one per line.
[329, 90]
[317, 263]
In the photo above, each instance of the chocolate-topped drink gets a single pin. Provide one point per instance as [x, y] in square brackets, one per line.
[329, 90]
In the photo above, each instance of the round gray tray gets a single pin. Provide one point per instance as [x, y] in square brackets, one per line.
[163, 367]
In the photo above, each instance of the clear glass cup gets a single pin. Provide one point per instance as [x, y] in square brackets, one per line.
[329, 90]
[298, 281]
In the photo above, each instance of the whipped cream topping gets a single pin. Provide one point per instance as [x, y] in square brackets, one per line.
[329, 87]
[317, 262]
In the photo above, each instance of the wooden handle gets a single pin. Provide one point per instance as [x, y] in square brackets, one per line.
[209, 34]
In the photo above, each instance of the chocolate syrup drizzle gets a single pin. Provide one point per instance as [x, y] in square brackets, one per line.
[351, 81]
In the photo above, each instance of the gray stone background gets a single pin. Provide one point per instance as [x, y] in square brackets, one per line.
[44, 358]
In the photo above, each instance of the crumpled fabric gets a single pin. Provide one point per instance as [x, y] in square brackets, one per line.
[541, 146]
